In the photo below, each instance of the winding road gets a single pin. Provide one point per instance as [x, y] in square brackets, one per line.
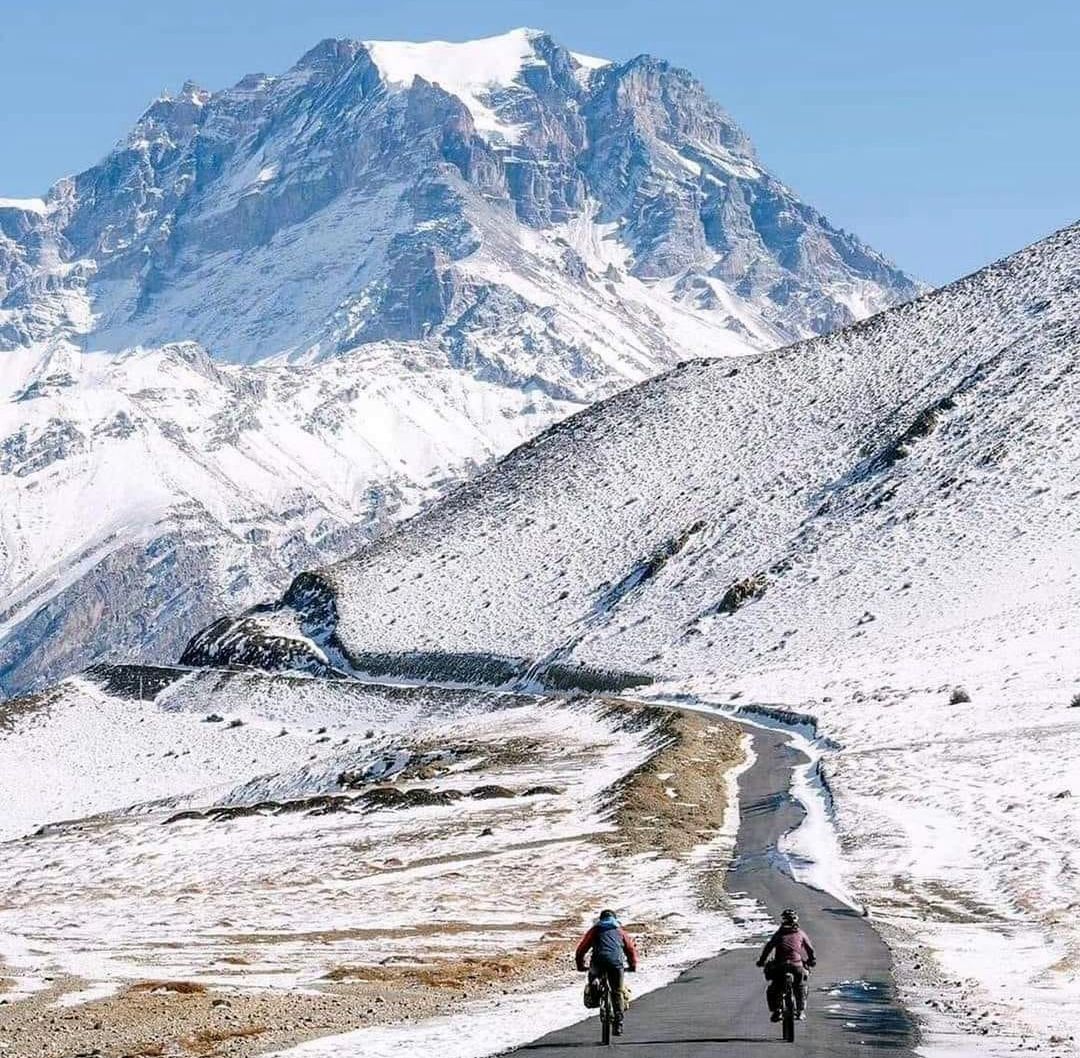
[717, 1008]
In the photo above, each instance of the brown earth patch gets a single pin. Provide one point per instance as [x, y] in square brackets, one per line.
[424, 930]
[205, 1041]
[471, 971]
[15, 708]
[677, 800]
[180, 988]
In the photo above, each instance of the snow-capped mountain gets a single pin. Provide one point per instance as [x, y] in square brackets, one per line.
[878, 527]
[300, 215]
[277, 314]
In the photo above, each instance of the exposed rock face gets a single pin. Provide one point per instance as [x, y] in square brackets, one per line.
[352, 284]
[742, 592]
[346, 198]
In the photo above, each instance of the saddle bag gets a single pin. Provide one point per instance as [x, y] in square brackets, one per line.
[592, 994]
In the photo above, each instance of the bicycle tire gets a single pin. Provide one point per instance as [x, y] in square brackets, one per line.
[789, 1009]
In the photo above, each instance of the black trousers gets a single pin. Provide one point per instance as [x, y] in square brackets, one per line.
[775, 991]
[614, 975]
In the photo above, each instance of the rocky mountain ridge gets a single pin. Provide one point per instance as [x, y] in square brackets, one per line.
[279, 316]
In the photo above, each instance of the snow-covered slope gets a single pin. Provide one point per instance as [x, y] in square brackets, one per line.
[890, 470]
[467, 241]
[160, 488]
[857, 525]
[311, 857]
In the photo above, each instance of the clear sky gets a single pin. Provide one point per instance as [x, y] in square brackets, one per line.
[943, 132]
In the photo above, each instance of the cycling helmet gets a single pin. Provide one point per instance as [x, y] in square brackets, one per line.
[789, 917]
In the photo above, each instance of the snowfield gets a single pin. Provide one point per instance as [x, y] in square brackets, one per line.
[470, 70]
[877, 528]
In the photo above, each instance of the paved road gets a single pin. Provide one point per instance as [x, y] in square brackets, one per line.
[717, 1008]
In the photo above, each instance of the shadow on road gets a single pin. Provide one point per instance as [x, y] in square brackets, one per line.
[869, 1010]
[766, 804]
[624, 1042]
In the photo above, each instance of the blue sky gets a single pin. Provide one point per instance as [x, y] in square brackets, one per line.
[944, 133]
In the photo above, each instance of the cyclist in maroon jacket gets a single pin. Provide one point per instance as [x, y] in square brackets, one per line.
[792, 953]
[613, 952]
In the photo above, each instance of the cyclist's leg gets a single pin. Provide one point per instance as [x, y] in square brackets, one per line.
[593, 977]
[615, 983]
[802, 988]
[774, 990]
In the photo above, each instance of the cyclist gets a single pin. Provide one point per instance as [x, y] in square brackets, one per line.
[613, 952]
[792, 953]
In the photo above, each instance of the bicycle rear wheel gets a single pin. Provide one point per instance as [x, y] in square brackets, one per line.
[607, 1014]
[789, 1010]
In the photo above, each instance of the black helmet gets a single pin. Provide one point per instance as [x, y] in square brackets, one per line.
[607, 913]
[789, 917]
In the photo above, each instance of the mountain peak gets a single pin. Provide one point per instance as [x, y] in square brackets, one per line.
[486, 61]
[457, 284]
[329, 54]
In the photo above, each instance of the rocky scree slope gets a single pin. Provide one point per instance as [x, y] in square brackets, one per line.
[892, 479]
[278, 316]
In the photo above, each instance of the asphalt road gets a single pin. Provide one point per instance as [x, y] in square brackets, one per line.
[717, 1008]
